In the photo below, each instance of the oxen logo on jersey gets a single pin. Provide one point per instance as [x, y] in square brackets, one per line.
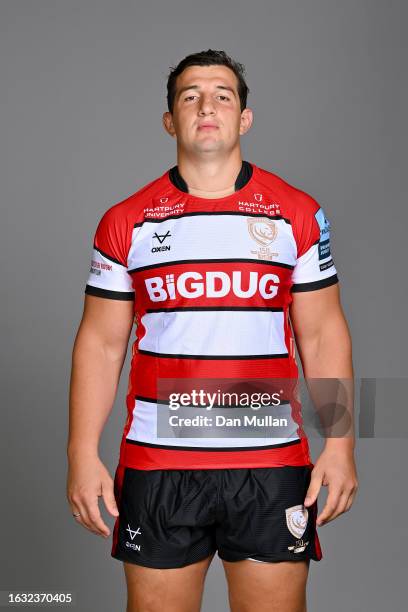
[263, 231]
[161, 238]
[212, 284]
[296, 520]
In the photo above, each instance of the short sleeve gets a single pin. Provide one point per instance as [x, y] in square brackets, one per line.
[108, 274]
[314, 267]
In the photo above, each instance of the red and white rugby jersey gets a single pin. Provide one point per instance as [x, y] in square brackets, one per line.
[211, 281]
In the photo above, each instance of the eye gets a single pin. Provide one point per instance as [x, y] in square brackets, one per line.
[220, 96]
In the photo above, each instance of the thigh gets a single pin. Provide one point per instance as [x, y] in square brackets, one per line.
[267, 587]
[262, 516]
[166, 520]
[165, 590]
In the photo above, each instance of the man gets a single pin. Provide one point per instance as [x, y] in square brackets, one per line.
[210, 260]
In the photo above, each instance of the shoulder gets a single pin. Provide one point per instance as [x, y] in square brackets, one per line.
[129, 210]
[294, 201]
[300, 209]
[115, 229]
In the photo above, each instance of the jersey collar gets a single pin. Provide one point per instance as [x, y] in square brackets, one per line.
[242, 179]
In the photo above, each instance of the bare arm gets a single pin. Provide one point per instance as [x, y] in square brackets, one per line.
[324, 345]
[322, 334]
[98, 356]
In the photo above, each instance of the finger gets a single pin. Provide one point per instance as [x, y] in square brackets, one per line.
[350, 500]
[340, 507]
[83, 518]
[74, 510]
[109, 498]
[314, 488]
[95, 518]
[347, 500]
[330, 507]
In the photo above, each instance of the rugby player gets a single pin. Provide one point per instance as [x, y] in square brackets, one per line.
[220, 268]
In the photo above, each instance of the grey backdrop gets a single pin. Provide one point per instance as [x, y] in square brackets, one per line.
[82, 94]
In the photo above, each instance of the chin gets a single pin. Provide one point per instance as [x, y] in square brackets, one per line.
[208, 147]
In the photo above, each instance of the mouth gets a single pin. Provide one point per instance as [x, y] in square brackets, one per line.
[207, 127]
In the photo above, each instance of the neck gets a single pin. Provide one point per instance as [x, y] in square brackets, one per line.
[210, 178]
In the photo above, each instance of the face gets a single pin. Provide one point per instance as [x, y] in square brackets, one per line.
[207, 115]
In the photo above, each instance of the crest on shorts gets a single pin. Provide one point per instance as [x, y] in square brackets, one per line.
[296, 520]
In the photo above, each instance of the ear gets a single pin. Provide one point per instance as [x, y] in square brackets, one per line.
[247, 118]
[168, 123]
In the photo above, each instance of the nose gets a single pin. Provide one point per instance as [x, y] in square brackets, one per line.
[206, 105]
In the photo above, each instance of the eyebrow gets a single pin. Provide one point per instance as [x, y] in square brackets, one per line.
[187, 87]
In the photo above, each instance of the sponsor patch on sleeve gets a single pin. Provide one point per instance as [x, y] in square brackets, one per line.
[324, 242]
[326, 264]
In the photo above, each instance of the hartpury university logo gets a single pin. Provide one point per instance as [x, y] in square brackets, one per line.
[263, 231]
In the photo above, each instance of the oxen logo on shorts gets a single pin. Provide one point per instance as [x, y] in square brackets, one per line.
[296, 520]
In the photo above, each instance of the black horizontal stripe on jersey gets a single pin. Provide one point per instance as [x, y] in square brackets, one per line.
[313, 286]
[116, 261]
[143, 398]
[174, 262]
[213, 357]
[212, 448]
[213, 212]
[109, 294]
[182, 308]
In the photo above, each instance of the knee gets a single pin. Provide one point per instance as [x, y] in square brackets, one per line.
[134, 605]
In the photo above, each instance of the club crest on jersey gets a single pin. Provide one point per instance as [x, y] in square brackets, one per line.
[263, 231]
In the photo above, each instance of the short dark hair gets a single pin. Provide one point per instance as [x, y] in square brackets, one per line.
[207, 58]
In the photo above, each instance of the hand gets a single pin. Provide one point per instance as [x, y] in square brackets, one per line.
[336, 469]
[87, 480]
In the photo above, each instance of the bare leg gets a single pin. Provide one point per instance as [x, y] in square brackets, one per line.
[267, 587]
[165, 590]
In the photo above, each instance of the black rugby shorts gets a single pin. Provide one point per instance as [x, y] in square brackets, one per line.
[172, 518]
